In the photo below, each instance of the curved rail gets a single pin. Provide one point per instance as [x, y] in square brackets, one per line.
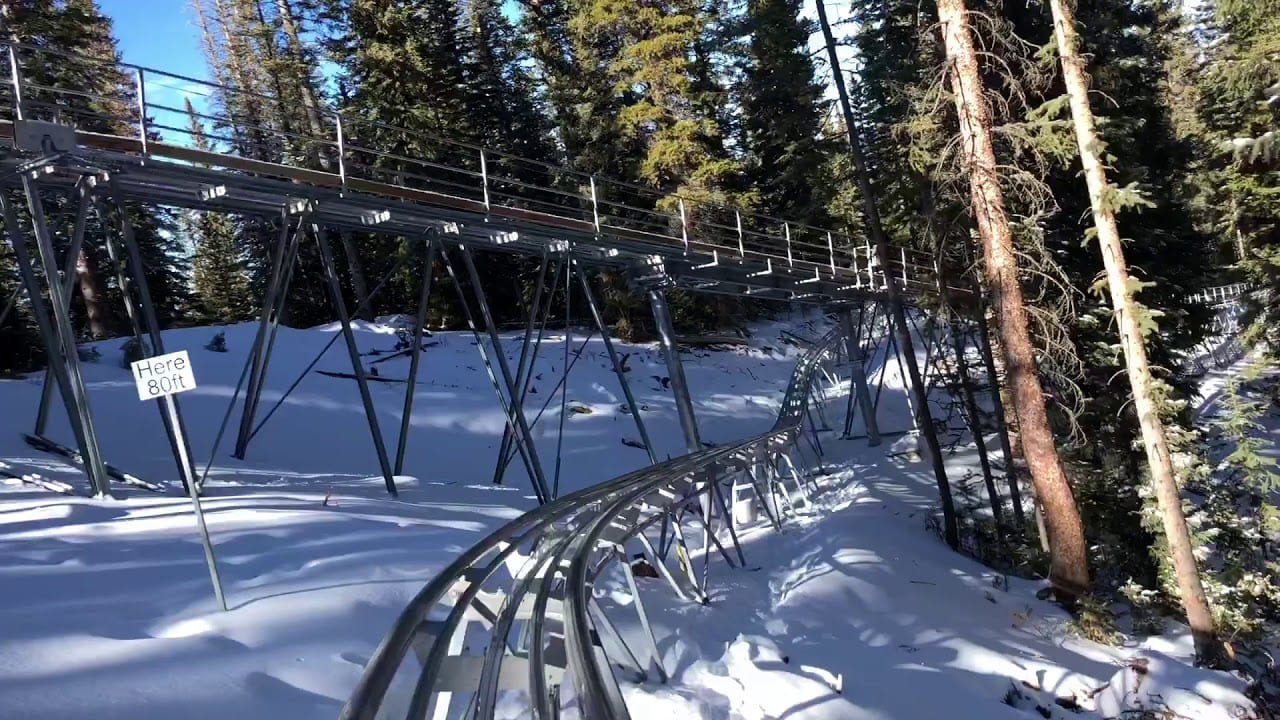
[546, 562]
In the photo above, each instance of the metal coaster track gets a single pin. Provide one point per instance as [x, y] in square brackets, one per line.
[350, 175]
[552, 557]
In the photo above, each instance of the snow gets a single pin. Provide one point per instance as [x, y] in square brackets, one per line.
[859, 612]
[856, 611]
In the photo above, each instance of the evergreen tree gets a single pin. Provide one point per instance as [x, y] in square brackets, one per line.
[782, 109]
[1241, 114]
[104, 101]
[221, 287]
[650, 61]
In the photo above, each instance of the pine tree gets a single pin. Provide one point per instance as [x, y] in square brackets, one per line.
[651, 63]
[1069, 571]
[1134, 323]
[782, 109]
[104, 101]
[221, 288]
[1241, 113]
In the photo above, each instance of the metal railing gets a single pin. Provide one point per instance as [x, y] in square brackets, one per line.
[1220, 294]
[540, 570]
[251, 132]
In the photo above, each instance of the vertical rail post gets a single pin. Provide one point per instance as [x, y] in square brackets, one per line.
[684, 227]
[742, 248]
[484, 179]
[139, 79]
[342, 146]
[903, 252]
[831, 253]
[786, 231]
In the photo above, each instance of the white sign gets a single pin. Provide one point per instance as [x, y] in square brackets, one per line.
[163, 375]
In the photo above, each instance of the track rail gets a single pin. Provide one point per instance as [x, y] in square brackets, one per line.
[377, 178]
[539, 571]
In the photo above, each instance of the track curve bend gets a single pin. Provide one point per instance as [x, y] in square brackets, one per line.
[538, 571]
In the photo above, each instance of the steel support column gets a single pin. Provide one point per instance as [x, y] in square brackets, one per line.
[415, 354]
[514, 411]
[617, 365]
[69, 262]
[675, 370]
[276, 293]
[525, 363]
[340, 307]
[56, 332]
[144, 324]
[858, 378]
[524, 438]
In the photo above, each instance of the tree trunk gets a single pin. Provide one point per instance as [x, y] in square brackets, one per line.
[310, 105]
[1069, 571]
[1126, 310]
[924, 421]
[96, 309]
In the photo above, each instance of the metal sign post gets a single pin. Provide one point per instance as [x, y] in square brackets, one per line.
[161, 377]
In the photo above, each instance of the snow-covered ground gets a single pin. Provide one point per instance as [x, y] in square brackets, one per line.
[106, 611]
[860, 612]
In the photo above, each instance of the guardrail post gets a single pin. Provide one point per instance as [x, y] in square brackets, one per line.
[831, 253]
[903, 252]
[871, 263]
[342, 144]
[742, 248]
[595, 205]
[786, 231]
[684, 227]
[15, 73]
[142, 108]
[484, 178]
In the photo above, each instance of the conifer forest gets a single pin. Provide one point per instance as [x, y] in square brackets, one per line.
[1087, 170]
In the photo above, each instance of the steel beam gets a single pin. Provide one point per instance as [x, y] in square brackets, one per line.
[57, 333]
[69, 262]
[415, 355]
[272, 304]
[858, 379]
[340, 307]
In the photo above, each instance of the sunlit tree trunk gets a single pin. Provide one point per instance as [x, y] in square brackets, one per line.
[1069, 570]
[1127, 314]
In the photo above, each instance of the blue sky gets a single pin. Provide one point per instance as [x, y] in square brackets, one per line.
[157, 33]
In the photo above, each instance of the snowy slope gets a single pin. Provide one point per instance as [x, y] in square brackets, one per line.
[105, 607]
[861, 613]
